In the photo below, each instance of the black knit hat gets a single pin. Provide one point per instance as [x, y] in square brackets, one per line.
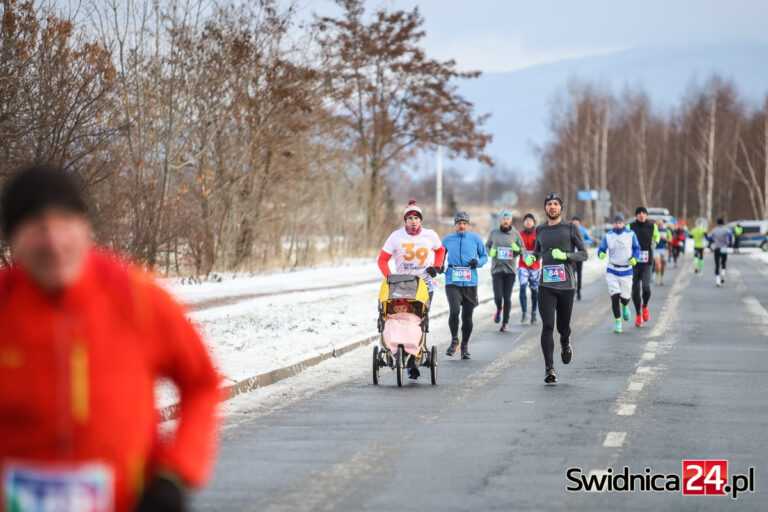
[641, 209]
[529, 216]
[37, 188]
[554, 196]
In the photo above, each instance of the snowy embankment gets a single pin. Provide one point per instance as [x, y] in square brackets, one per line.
[296, 315]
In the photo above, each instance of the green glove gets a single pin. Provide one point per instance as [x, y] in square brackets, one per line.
[530, 259]
[493, 253]
[559, 255]
[515, 247]
[601, 255]
[632, 261]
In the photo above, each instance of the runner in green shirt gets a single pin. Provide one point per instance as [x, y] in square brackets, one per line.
[699, 235]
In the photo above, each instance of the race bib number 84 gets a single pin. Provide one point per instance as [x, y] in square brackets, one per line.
[554, 273]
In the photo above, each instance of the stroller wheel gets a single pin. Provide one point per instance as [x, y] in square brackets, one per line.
[376, 367]
[400, 365]
[433, 365]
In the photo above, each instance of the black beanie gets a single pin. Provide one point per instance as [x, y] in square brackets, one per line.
[37, 188]
[529, 216]
[641, 209]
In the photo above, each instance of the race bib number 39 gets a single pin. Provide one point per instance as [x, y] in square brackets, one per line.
[461, 275]
[643, 258]
[36, 487]
[554, 273]
[504, 253]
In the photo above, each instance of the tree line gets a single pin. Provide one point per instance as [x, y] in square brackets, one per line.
[706, 157]
[223, 135]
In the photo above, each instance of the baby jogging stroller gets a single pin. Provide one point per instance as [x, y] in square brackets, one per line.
[403, 344]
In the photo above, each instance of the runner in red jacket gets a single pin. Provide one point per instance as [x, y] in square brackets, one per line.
[84, 340]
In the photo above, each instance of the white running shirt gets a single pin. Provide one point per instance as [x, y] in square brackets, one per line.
[412, 252]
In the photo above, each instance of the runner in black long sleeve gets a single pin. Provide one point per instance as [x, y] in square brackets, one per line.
[559, 245]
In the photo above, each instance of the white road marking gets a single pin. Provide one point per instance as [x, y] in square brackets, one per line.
[626, 409]
[635, 386]
[647, 356]
[614, 439]
[669, 312]
[651, 346]
[643, 369]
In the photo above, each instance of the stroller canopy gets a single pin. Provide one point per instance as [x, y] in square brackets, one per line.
[404, 286]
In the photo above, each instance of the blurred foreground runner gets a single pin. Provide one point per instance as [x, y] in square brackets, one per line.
[84, 338]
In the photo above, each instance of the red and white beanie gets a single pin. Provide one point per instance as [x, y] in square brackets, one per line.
[412, 208]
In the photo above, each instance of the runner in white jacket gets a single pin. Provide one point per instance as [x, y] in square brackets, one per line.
[623, 247]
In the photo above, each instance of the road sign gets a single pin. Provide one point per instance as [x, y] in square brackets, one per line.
[604, 195]
[508, 200]
[603, 208]
[588, 195]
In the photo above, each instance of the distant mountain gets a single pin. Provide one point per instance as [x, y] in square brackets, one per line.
[520, 101]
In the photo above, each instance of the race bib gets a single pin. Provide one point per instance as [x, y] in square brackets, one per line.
[554, 273]
[505, 253]
[461, 274]
[643, 258]
[39, 487]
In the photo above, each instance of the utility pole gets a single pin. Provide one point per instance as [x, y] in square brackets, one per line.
[439, 183]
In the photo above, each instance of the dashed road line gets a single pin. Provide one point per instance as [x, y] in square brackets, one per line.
[626, 409]
[614, 439]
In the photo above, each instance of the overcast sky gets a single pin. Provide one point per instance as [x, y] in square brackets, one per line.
[505, 35]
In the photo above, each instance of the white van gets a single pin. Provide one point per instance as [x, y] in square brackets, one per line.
[754, 233]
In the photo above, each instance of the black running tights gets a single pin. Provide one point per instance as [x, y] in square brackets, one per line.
[554, 303]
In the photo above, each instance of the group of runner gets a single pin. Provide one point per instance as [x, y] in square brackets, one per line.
[547, 260]
[544, 259]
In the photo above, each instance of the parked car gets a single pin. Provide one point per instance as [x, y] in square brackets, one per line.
[754, 233]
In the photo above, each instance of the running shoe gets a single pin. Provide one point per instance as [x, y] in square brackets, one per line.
[497, 317]
[646, 314]
[465, 354]
[524, 319]
[549, 376]
[566, 353]
[617, 327]
[639, 321]
[504, 327]
[717, 282]
[625, 311]
[452, 349]
[533, 319]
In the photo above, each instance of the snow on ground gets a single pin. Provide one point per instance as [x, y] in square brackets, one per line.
[255, 336]
[327, 274]
[757, 254]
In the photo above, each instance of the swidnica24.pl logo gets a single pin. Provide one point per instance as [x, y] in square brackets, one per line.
[698, 478]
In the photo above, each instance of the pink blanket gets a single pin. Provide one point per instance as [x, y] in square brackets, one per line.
[403, 329]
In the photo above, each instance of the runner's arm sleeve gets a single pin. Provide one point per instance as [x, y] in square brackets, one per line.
[656, 234]
[182, 357]
[439, 256]
[587, 238]
[580, 254]
[635, 246]
[603, 245]
[383, 262]
[489, 242]
[481, 252]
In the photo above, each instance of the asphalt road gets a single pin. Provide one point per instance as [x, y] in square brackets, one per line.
[691, 385]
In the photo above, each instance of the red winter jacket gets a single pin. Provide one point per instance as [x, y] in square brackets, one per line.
[77, 374]
[530, 242]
